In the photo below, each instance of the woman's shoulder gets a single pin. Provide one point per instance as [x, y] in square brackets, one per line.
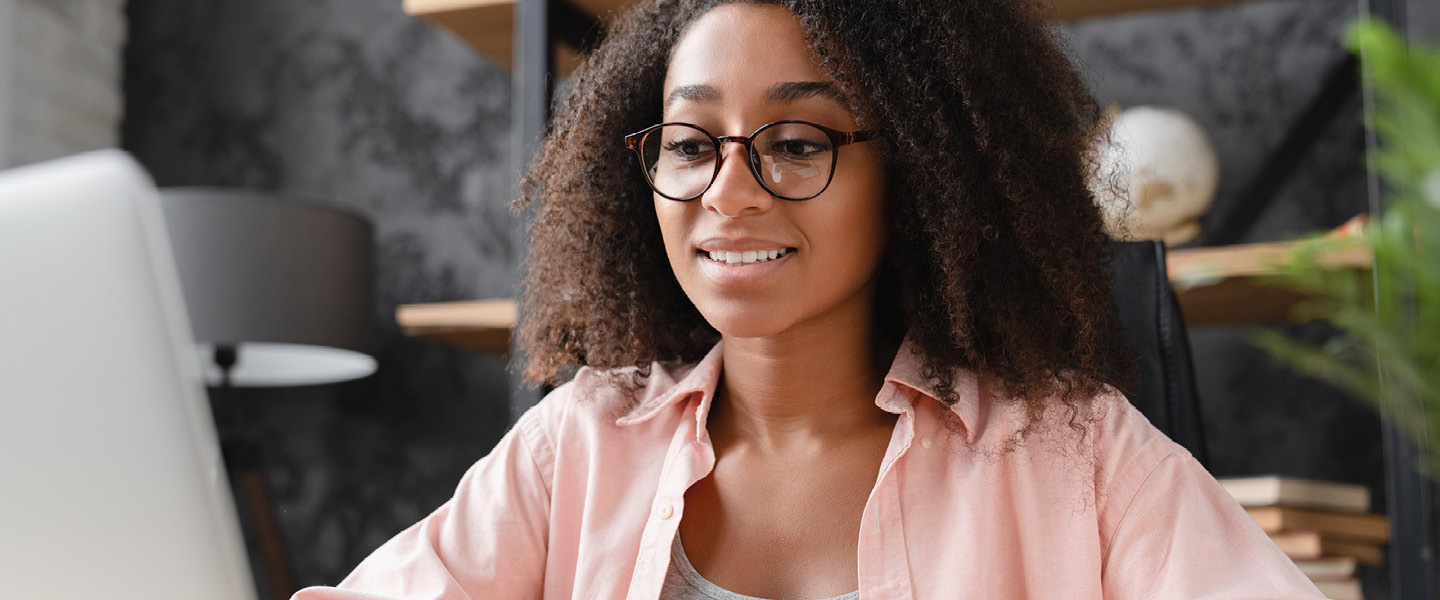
[1100, 424]
[1128, 451]
[1120, 428]
[1110, 430]
[589, 424]
[1104, 435]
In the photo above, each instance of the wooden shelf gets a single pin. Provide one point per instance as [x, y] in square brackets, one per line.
[1220, 286]
[1215, 286]
[489, 25]
[476, 325]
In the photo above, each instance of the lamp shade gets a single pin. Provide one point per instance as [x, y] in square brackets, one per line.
[287, 282]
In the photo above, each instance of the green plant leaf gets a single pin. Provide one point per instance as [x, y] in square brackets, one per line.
[1388, 349]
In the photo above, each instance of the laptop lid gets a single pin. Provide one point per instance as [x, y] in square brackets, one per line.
[111, 480]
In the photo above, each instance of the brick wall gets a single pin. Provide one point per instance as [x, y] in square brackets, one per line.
[60, 69]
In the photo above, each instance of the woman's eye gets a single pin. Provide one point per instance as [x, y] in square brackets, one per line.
[798, 149]
[689, 149]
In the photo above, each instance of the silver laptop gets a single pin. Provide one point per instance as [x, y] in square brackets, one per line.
[111, 481]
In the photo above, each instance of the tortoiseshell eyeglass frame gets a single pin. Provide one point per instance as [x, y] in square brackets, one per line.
[635, 141]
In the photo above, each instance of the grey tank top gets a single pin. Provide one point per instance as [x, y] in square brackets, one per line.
[683, 582]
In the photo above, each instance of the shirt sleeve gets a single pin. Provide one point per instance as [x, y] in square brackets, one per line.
[1182, 536]
[487, 542]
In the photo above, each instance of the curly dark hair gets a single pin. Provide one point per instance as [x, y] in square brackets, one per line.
[998, 264]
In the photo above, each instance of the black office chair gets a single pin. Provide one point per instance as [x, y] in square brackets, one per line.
[1155, 331]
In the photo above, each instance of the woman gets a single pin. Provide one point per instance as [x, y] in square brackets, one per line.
[845, 332]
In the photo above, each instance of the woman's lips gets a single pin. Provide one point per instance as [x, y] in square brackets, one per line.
[744, 269]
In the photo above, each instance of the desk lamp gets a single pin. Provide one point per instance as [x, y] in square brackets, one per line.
[280, 293]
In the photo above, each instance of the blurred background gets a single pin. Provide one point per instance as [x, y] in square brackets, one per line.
[392, 116]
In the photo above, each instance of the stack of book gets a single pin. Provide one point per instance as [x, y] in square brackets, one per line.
[1323, 526]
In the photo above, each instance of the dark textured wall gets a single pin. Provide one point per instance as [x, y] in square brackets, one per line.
[352, 101]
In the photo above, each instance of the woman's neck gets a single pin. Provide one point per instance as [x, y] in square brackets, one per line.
[801, 389]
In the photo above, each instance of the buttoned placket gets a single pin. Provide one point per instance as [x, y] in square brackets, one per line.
[883, 563]
[690, 458]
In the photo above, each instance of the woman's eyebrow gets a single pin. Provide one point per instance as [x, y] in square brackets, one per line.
[794, 91]
[698, 92]
[780, 93]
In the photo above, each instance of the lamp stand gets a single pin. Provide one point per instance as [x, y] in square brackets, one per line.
[245, 462]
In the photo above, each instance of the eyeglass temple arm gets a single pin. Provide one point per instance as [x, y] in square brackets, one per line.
[857, 136]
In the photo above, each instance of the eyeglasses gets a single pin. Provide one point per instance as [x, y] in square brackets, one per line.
[793, 160]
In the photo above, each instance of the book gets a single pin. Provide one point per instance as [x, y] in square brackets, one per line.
[1365, 554]
[1374, 529]
[1338, 568]
[1341, 590]
[1304, 545]
[1274, 490]
[1299, 545]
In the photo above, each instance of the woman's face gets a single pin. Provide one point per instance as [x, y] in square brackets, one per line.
[738, 67]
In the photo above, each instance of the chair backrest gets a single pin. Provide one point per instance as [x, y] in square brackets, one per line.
[1155, 330]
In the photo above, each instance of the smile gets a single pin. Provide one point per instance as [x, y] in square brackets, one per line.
[748, 257]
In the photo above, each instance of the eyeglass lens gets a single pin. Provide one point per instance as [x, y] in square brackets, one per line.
[791, 160]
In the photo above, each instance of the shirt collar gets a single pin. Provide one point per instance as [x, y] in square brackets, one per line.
[908, 373]
[669, 384]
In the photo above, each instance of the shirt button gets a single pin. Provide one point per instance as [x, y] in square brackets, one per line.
[926, 443]
[664, 511]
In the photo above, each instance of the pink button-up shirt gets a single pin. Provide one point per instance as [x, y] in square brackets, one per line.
[581, 501]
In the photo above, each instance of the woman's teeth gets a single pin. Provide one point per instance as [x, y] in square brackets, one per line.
[748, 257]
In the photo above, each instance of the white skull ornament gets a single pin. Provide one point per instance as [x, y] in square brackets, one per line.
[1157, 174]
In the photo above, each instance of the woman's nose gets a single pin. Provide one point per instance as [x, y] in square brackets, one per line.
[735, 192]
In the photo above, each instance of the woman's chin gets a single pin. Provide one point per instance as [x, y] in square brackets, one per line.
[742, 322]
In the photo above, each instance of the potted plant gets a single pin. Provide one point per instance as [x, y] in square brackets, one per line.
[1388, 347]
